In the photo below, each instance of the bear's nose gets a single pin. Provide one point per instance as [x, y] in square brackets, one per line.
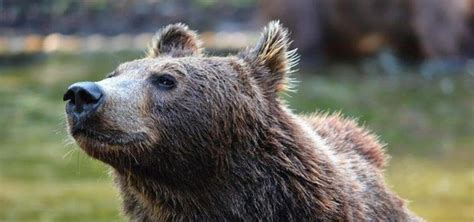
[83, 97]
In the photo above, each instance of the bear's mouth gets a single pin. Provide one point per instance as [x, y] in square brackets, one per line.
[107, 137]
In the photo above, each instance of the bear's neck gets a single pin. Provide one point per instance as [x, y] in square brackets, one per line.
[283, 178]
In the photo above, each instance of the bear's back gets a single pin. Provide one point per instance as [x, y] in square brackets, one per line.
[361, 158]
[347, 138]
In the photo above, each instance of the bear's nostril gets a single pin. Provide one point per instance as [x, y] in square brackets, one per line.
[84, 96]
[69, 95]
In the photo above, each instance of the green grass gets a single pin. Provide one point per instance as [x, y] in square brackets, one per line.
[428, 125]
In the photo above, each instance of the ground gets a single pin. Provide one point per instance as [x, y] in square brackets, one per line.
[426, 122]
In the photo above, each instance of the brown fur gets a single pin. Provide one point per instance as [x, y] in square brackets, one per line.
[346, 136]
[221, 145]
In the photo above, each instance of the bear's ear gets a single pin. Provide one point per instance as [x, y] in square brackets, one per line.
[176, 41]
[273, 55]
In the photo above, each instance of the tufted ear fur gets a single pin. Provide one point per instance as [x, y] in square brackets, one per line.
[273, 55]
[175, 40]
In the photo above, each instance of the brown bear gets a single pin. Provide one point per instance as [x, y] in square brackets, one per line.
[352, 28]
[197, 138]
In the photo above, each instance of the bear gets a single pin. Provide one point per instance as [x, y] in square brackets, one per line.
[192, 137]
[414, 29]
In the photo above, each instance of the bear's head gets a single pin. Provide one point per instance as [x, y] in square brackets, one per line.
[177, 112]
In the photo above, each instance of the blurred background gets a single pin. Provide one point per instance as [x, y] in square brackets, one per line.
[404, 68]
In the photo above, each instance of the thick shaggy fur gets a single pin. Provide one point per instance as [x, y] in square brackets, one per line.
[221, 146]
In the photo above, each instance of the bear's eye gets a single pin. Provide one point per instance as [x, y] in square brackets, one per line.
[165, 81]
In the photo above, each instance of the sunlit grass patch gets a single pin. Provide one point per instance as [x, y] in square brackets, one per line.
[437, 190]
[59, 201]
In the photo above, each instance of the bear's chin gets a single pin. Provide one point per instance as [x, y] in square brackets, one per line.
[93, 146]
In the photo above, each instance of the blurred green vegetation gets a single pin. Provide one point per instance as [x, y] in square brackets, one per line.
[428, 124]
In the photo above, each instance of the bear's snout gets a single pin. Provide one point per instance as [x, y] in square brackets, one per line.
[84, 98]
